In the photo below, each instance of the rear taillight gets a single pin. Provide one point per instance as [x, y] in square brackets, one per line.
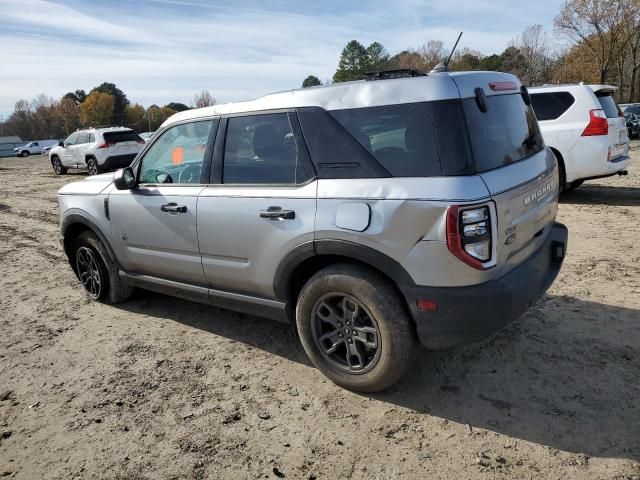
[106, 145]
[469, 235]
[598, 124]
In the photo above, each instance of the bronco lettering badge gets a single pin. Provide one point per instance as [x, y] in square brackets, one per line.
[538, 194]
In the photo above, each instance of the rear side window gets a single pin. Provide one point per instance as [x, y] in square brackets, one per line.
[83, 138]
[551, 105]
[506, 133]
[608, 104]
[92, 138]
[399, 137]
[124, 136]
[260, 149]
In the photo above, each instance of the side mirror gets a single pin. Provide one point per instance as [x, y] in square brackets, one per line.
[61, 144]
[124, 179]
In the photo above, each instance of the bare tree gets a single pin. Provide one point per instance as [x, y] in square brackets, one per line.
[533, 44]
[203, 99]
[600, 25]
[432, 53]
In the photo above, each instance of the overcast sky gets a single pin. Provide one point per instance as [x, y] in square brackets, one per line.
[159, 51]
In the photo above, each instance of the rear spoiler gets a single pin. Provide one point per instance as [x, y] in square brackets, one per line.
[603, 89]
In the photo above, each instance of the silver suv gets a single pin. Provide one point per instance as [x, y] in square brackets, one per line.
[370, 214]
[96, 149]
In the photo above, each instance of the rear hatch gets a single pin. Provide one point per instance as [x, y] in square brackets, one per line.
[618, 133]
[123, 142]
[510, 157]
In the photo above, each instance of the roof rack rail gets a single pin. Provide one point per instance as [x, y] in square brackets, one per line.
[100, 126]
[389, 74]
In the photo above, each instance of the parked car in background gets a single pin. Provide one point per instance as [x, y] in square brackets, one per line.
[96, 149]
[47, 149]
[34, 148]
[370, 214]
[584, 128]
[146, 136]
[630, 108]
[633, 124]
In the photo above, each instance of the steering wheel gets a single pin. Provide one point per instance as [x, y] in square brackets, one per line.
[190, 174]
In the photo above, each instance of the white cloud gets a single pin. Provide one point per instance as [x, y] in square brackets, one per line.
[236, 52]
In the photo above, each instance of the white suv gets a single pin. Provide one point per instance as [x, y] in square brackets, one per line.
[96, 149]
[584, 128]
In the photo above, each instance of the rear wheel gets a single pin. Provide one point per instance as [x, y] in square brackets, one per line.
[57, 166]
[97, 273]
[354, 328]
[92, 166]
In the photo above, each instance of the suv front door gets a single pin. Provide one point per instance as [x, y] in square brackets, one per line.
[154, 224]
[67, 153]
[260, 205]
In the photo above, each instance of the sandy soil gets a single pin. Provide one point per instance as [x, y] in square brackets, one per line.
[162, 388]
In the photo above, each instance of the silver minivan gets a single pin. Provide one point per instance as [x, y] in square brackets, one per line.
[371, 214]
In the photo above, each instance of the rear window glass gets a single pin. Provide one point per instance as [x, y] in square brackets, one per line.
[399, 137]
[551, 105]
[124, 136]
[609, 105]
[506, 133]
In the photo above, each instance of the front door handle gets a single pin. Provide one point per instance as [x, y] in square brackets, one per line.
[277, 213]
[173, 207]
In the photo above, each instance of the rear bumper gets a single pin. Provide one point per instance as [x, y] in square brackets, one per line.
[117, 161]
[467, 314]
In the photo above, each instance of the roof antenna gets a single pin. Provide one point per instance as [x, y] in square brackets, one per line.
[444, 65]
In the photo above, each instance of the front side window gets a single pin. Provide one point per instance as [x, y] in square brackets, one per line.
[260, 149]
[83, 138]
[177, 156]
[72, 139]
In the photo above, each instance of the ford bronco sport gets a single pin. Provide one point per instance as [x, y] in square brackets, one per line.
[371, 214]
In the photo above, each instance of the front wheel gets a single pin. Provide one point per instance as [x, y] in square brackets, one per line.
[25, 153]
[355, 328]
[57, 166]
[97, 273]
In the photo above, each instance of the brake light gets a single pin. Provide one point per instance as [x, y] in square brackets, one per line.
[502, 86]
[469, 235]
[106, 145]
[598, 124]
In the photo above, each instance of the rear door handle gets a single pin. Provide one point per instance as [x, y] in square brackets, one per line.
[277, 213]
[173, 207]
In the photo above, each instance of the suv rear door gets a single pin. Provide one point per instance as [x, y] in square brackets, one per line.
[618, 133]
[261, 202]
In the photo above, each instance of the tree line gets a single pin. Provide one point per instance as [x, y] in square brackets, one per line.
[45, 117]
[603, 46]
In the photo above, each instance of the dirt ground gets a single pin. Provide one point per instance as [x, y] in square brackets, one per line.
[163, 388]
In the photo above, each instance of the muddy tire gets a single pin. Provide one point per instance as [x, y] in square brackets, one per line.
[355, 328]
[97, 273]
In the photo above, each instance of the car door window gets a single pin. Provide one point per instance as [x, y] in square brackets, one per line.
[72, 140]
[177, 155]
[82, 138]
[35, 144]
[260, 149]
[91, 138]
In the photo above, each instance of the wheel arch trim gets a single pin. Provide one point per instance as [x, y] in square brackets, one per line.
[85, 219]
[340, 248]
